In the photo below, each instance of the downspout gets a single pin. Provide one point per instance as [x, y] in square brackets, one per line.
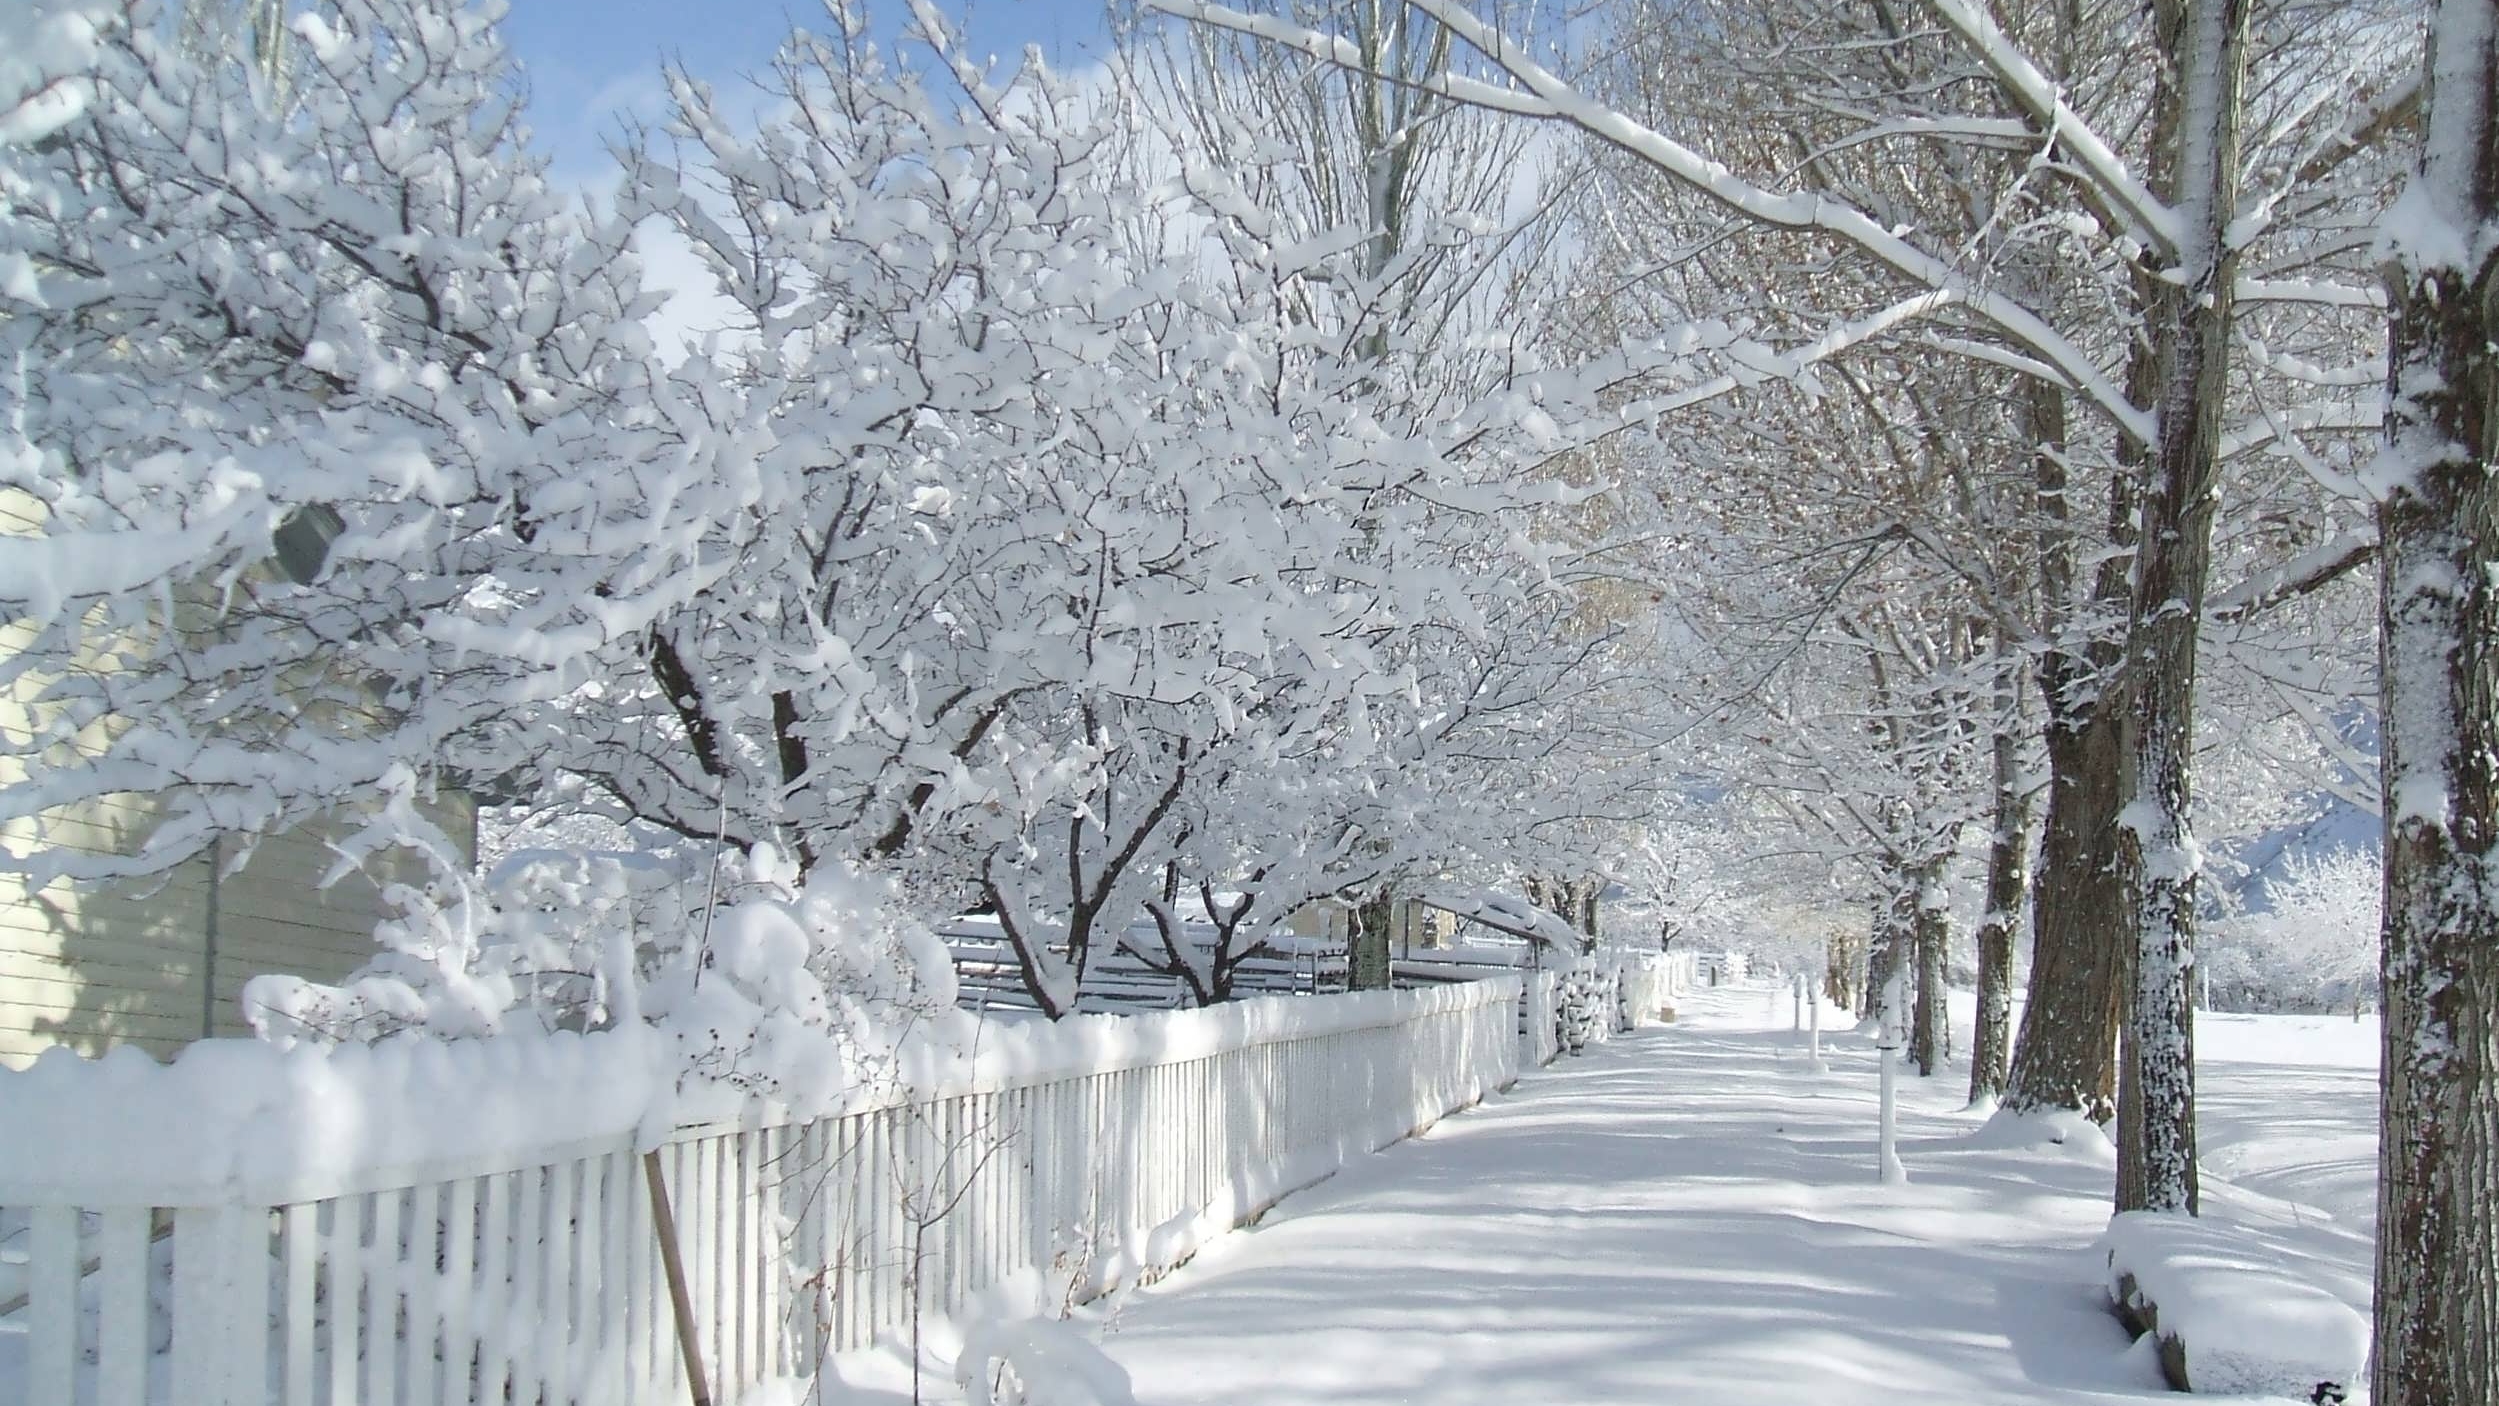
[208, 940]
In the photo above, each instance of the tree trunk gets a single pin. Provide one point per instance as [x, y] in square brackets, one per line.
[2437, 1332]
[1368, 947]
[1887, 945]
[2188, 320]
[2008, 885]
[2066, 1055]
[1930, 1037]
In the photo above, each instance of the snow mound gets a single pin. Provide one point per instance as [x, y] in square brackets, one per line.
[2060, 1130]
[2230, 1317]
[1038, 1362]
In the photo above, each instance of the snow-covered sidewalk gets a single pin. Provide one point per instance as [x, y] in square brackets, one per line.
[1685, 1215]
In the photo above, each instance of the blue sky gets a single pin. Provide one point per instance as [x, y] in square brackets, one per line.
[591, 60]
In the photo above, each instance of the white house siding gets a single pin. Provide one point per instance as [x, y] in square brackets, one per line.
[1413, 926]
[130, 963]
[94, 966]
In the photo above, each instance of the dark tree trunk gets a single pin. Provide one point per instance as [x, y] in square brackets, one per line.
[2188, 320]
[1930, 1036]
[2008, 886]
[1842, 968]
[2066, 1057]
[2437, 1334]
[1367, 959]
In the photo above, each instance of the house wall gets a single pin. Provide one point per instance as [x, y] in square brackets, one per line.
[1414, 924]
[131, 962]
[93, 966]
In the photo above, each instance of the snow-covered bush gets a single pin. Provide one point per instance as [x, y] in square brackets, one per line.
[771, 981]
[307, 406]
[2314, 945]
[1587, 1006]
[1038, 1362]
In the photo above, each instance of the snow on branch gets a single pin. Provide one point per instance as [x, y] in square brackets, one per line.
[2311, 570]
[2150, 221]
[1540, 93]
[1506, 913]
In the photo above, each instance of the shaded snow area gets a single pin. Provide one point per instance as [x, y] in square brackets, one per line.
[1688, 1214]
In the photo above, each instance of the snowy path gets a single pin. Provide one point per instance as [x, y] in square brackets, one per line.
[1684, 1215]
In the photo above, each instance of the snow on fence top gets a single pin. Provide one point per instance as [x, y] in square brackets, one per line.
[237, 1121]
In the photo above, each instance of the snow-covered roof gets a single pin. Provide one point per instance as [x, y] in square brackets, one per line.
[1507, 912]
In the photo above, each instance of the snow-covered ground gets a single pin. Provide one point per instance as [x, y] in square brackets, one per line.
[2287, 1107]
[1692, 1214]
[1688, 1214]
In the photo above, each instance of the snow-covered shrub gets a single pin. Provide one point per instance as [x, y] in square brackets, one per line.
[802, 985]
[1587, 1006]
[1038, 1362]
[2313, 948]
[771, 981]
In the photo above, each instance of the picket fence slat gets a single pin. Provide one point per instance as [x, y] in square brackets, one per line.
[53, 1279]
[342, 1249]
[458, 1300]
[298, 1228]
[424, 1291]
[383, 1285]
[494, 1284]
[122, 1326]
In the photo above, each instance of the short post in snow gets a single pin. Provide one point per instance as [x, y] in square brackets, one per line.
[1798, 992]
[1890, 1038]
[1813, 1025]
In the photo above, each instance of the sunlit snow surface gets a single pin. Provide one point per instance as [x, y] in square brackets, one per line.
[2288, 1106]
[1688, 1215]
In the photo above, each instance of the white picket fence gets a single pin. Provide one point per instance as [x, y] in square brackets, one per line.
[1649, 986]
[538, 1278]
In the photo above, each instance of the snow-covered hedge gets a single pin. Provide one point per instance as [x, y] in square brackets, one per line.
[1588, 998]
[2229, 1317]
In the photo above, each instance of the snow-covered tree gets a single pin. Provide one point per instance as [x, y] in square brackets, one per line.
[323, 417]
[2437, 1303]
[2313, 943]
[2144, 208]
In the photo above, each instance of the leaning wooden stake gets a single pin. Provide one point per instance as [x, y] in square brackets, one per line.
[680, 1302]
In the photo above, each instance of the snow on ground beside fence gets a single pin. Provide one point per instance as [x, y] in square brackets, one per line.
[1688, 1215]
